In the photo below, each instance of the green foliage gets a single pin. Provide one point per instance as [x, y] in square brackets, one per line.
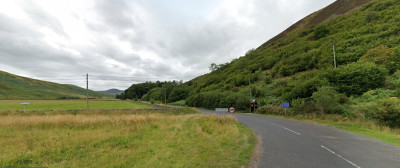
[302, 86]
[321, 32]
[357, 78]
[136, 91]
[372, 95]
[371, 16]
[305, 105]
[386, 111]
[178, 93]
[214, 99]
[276, 110]
[385, 56]
[306, 48]
[327, 99]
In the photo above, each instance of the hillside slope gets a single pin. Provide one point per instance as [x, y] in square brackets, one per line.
[111, 92]
[17, 87]
[354, 30]
[337, 8]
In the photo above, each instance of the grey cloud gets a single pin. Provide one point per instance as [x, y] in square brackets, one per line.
[184, 46]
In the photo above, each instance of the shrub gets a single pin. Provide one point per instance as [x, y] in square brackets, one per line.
[371, 16]
[302, 88]
[386, 111]
[268, 80]
[277, 110]
[214, 99]
[356, 78]
[375, 94]
[384, 56]
[320, 32]
[304, 106]
[327, 98]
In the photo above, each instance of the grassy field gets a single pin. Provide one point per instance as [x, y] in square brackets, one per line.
[123, 139]
[12, 105]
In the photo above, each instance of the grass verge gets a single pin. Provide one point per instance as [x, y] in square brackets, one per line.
[123, 140]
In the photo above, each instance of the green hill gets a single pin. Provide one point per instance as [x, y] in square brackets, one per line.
[297, 66]
[307, 46]
[17, 87]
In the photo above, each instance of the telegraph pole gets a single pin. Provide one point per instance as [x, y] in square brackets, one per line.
[334, 56]
[87, 91]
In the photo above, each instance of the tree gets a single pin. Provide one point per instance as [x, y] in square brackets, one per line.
[356, 78]
[213, 67]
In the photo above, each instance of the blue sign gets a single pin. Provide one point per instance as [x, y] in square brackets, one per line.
[285, 105]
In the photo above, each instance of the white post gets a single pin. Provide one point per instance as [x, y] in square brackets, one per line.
[334, 56]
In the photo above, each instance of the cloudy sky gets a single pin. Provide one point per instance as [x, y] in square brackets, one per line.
[121, 42]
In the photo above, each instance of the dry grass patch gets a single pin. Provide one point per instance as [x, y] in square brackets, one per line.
[123, 140]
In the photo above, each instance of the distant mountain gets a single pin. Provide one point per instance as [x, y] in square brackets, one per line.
[18, 87]
[111, 92]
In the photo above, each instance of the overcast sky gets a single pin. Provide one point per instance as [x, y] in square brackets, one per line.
[121, 42]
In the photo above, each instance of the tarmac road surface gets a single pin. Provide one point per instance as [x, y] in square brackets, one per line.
[291, 143]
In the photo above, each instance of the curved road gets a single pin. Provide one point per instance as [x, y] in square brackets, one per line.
[291, 143]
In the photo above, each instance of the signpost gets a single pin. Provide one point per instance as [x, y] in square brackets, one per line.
[220, 110]
[285, 106]
[25, 103]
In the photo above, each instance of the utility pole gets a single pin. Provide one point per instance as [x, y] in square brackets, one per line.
[334, 56]
[87, 91]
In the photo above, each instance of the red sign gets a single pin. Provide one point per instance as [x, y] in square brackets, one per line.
[232, 109]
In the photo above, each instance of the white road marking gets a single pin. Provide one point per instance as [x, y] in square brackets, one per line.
[341, 157]
[286, 129]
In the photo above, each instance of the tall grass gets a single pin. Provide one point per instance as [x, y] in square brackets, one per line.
[43, 105]
[123, 140]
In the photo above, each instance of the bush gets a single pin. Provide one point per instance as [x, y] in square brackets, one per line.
[386, 111]
[384, 56]
[320, 32]
[268, 80]
[373, 95]
[277, 110]
[326, 98]
[301, 106]
[215, 99]
[357, 78]
[371, 16]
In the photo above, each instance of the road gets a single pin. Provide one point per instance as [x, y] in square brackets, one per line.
[291, 143]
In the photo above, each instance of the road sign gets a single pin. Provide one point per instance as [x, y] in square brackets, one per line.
[220, 110]
[232, 109]
[285, 104]
[24, 103]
